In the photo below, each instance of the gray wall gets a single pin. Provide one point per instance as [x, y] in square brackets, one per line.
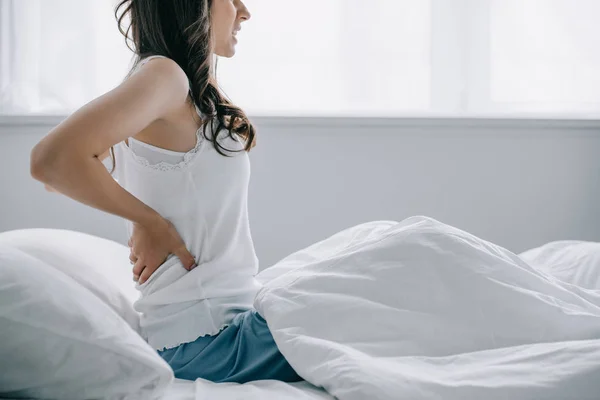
[516, 183]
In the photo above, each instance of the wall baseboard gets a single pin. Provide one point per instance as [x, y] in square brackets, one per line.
[467, 123]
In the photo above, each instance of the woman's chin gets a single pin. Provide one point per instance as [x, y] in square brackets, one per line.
[226, 51]
[225, 54]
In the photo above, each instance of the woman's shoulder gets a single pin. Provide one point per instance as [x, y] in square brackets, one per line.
[162, 78]
[162, 66]
[164, 59]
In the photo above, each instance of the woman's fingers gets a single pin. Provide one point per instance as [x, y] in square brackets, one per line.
[132, 258]
[145, 275]
[138, 267]
[186, 258]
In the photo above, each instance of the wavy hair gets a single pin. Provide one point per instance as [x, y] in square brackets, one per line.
[181, 30]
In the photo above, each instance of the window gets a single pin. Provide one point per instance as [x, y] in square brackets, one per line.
[333, 57]
[545, 55]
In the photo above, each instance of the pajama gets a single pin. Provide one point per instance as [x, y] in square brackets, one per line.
[244, 351]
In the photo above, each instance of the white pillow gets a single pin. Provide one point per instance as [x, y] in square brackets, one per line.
[573, 261]
[100, 265]
[59, 341]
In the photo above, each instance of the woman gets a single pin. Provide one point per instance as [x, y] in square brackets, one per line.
[179, 156]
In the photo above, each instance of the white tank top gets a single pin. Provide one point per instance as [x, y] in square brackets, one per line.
[204, 194]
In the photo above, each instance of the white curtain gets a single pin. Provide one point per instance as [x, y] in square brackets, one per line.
[56, 55]
[333, 57]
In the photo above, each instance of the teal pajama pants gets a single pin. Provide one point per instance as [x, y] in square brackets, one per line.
[242, 352]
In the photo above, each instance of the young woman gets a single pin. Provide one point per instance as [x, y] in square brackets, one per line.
[180, 167]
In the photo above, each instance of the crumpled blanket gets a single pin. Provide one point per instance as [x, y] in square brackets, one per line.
[419, 309]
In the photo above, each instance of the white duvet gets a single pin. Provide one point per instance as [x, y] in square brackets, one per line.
[422, 310]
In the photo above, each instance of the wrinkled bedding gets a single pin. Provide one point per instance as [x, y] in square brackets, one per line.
[419, 309]
[259, 390]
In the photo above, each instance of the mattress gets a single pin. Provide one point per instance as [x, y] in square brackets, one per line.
[258, 390]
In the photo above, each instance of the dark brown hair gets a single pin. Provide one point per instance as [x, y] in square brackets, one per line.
[181, 31]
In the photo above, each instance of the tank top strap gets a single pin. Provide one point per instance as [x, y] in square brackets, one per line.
[145, 60]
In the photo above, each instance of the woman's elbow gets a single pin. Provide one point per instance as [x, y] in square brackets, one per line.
[44, 162]
[37, 161]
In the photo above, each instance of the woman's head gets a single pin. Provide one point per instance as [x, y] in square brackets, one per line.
[226, 19]
[191, 32]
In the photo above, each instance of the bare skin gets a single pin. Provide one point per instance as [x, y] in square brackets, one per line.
[152, 106]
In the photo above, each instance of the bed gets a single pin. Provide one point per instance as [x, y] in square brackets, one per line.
[416, 309]
[260, 390]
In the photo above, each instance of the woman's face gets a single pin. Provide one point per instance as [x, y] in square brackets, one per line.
[227, 17]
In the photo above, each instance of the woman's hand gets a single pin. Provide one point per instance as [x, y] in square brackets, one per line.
[151, 245]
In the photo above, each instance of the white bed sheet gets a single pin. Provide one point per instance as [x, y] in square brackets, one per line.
[259, 390]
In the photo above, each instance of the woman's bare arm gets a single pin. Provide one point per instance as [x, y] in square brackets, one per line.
[68, 158]
[101, 157]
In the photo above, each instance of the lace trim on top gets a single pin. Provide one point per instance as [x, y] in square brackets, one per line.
[165, 166]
